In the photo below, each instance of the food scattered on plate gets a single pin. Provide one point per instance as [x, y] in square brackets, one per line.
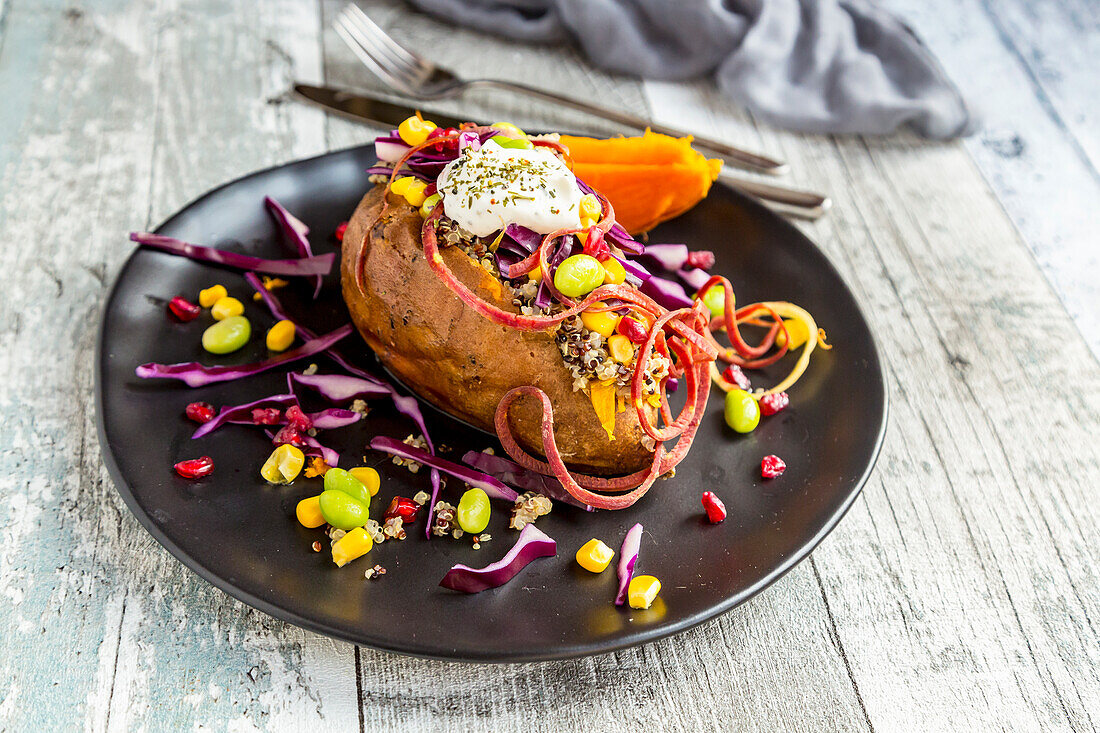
[496, 275]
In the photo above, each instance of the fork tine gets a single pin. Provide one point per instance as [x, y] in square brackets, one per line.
[395, 50]
[380, 52]
[380, 70]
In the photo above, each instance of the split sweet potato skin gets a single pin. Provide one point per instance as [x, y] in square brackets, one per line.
[459, 360]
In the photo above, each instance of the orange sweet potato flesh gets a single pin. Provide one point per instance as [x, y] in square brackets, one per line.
[647, 179]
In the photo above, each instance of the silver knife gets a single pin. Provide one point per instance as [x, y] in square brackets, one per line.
[364, 108]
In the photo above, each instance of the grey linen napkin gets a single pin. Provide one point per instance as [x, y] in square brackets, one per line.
[813, 65]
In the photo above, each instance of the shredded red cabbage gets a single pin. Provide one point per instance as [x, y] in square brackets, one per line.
[628, 557]
[514, 474]
[194, 374]
[669, 257]
[242, 413]
[524, 237]
[533, 543]
[297, 232]
[333, 417]
[390, 148]
[543, 297]
[491, 486]
[634, 269]
[669, 294]
[319, 265]
[329, 419]
[337, 387]
[330, 456]
[694, 278]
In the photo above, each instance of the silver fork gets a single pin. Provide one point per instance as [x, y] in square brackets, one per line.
[412, 75]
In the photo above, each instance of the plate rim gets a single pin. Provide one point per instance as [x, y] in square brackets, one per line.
[636, 638]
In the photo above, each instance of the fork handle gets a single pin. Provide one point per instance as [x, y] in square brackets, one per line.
[735, 156]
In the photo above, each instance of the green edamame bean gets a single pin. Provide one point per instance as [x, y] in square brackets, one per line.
[429, 204]
[342, 510]
[508, 129]
[578, 276]
[715, 300]
[473, 511]
[227, 335]
[742, 411]
[337, 479]
[520, 143]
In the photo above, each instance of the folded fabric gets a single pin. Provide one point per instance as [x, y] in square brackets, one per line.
[813, 65]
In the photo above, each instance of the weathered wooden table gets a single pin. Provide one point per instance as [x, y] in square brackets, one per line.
[961, 592]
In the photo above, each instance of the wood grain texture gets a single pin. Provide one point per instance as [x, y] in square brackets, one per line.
[1029, 69]
[961, 591]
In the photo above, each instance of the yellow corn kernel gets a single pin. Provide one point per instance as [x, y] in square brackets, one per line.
[212, 295]
[226, 307]
[368, 477]
[416, 195]
[796, 329]
[590, 208]
[355, 543]
[280, 336]
[594, 556]
[642, 590]
[308, 512]
[401, 185]
[620, 348]
[613, 272]
[535, 274]
[602, 323]
[508, 129]
[415, 130]
[412, 188]
[283, 465]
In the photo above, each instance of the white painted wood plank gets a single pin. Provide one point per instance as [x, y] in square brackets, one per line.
[961, 591]
[965, 544]
[99, 627]
[1030, 69]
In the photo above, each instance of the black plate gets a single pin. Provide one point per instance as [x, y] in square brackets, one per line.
[240, 534]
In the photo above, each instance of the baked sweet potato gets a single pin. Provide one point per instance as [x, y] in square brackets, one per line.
[457, 359]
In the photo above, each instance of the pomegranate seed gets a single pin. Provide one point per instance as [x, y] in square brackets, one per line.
[772, 466]
[632, 329]
[200, 412]
[702, 259]
[734, 375]
[404, 508]
[443, 145]
[289, 434]
[595, 244]
[183, 309]
[196, 467]
[715, 509]
[340, 229]
[430, 189]
[773, 403]
[266, 416]
[297, 419]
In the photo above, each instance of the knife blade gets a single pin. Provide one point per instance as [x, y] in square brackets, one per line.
[363, 108]
[370, 109]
